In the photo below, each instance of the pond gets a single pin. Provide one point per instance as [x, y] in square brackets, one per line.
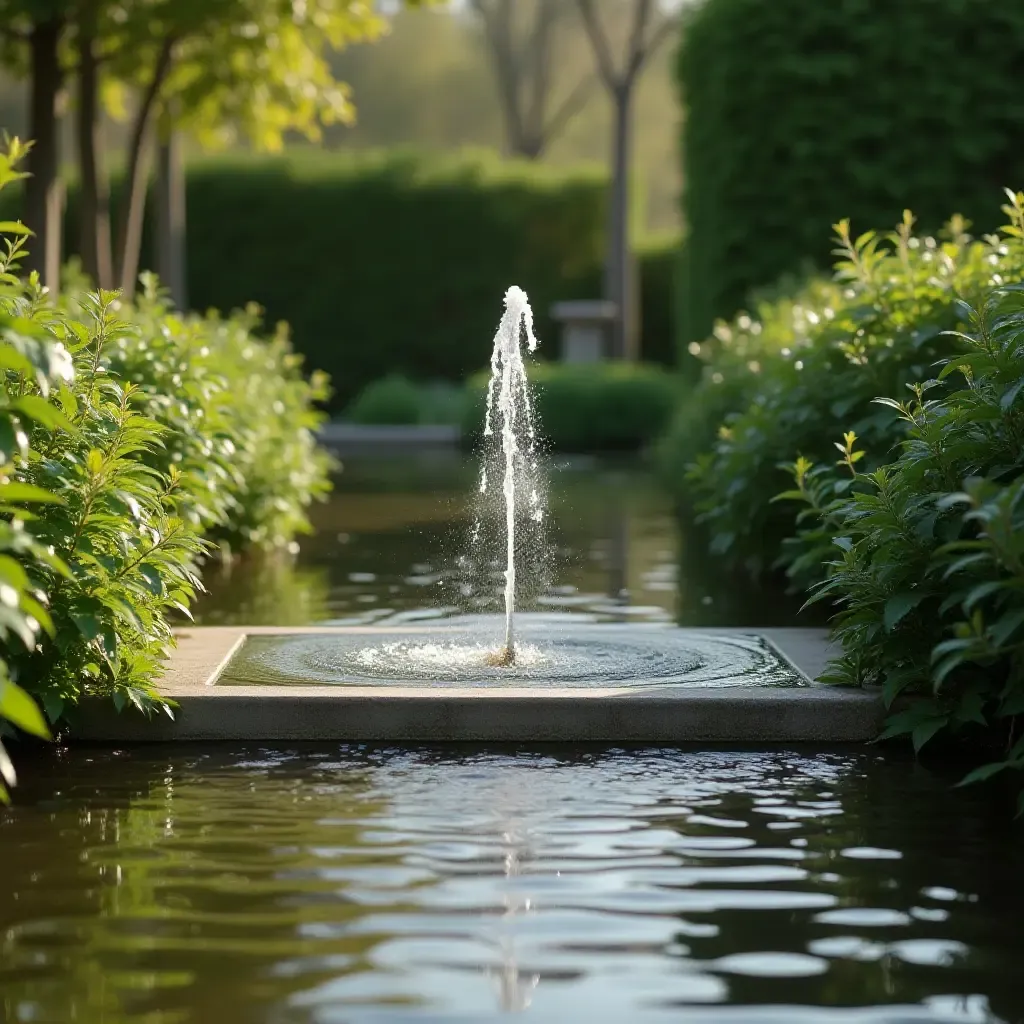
[386, 544]
[347, 884]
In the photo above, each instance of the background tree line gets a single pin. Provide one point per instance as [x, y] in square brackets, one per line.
[430, 82]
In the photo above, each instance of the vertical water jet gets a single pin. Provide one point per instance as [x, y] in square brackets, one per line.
[509, 418]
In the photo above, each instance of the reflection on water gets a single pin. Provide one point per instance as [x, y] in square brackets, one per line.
[386, 546]
[350, 885]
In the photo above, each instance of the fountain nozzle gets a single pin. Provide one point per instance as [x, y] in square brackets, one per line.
[503, 658]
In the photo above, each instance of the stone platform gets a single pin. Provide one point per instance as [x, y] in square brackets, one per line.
[435, 713]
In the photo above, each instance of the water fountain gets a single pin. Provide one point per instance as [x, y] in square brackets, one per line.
[521, 676]
[509, 531]
[509, 416]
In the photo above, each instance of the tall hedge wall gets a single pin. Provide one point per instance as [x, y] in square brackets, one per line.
[801, 112]
[389, 263]
[395, 262]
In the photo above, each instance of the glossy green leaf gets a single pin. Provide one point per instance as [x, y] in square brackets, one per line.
[19, 708]
[922, 733]
[898, 606]
[43, 412]
[986, 771]
[15, 492]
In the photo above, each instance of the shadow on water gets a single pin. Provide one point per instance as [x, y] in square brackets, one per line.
[385, 546]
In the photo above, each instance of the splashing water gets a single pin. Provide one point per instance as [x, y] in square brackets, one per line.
[509, 417]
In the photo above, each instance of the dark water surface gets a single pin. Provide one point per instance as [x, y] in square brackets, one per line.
[244, 885]
[386, 544]
[346, 885]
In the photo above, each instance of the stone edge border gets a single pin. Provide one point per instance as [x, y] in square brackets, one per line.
[652, 715]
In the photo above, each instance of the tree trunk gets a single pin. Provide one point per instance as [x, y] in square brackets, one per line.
[94, 213]
[170, 202]
[44, 191]
[129, 241]
[618, 283]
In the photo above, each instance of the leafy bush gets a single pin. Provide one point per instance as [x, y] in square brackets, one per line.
[916, 533]
[25, 351]
[442, 403]
[658, 269]
[403, 258]
[240, 414]
[603, 406]
[398, 400]
[927, 553]
[394, 399]
[800, 112]
[791, 380]
[131, 440]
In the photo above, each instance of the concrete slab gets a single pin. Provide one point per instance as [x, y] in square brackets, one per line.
[657, 714]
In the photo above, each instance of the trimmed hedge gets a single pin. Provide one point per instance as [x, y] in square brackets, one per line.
[389, 263]
[394, 263]
[657, 268]
[801, 112]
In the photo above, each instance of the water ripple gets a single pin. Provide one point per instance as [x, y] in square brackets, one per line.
[353, 885]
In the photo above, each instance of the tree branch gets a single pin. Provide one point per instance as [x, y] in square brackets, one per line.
[497, 21]
[635, 54]
[130, 234]
[599, 42]
[538, 56]
[569, 107]
[658, 36]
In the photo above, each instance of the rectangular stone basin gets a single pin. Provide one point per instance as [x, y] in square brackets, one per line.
[212, 705]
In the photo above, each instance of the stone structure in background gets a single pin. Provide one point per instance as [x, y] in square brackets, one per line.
[586, 329]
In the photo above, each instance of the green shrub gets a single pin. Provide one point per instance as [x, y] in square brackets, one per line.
[131, 441]
[789, 382]
[915, 534]
[240, 419]
[799, 113]
[604, 406]
[393, 399]
[925, 556]
[397, 400]
[27, 353]
[658, 268]
[442, 403]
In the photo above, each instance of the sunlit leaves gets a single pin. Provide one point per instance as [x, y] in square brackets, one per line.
[128, 436]
[258, 68]
[915, 538]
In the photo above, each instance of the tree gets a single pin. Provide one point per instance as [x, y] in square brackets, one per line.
[649, 29]
[94, 239]
[214, 67]
[521, 37]
[210, 66]
[31, 32]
